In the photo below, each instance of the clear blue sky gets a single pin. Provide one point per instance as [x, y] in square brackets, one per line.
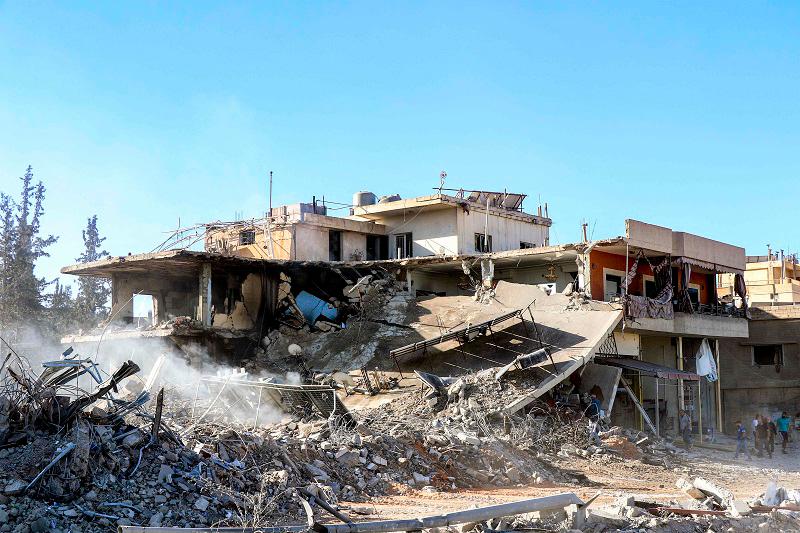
[679, 114]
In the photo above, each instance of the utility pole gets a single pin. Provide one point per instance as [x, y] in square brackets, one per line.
[269, 213]
[268, 224]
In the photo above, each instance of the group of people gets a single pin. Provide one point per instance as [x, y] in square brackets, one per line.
[764, 431]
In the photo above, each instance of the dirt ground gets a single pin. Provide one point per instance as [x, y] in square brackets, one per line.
[746, 479]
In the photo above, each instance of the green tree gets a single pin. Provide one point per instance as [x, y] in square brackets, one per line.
[93, 293]
[62, 312]
[22, 293]
[8, 232]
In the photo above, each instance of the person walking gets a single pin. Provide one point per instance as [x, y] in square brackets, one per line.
[783, 428]
[756, 439]
[772, 430]
[741, 441]
[685, 426]
[761, 436]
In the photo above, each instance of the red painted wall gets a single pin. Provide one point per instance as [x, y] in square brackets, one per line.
[600, 260]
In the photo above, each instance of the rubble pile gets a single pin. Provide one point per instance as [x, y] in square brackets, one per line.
[779, 497]
[629, 514]
[369, 315]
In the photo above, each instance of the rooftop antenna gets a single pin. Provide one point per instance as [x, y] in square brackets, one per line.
[442, 177]
[268, 224]
[269, 214]
[584, 226]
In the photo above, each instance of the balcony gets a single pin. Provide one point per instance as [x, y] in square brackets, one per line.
[713, 321]
[719, 309]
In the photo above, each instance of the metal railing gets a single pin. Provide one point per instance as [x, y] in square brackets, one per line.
[717, 309]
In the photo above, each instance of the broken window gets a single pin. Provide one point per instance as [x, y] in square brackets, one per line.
[613, 286]
[377, 247]
[404, 245]
[247, 236]
[768, 355]
[335, 245]
[525, 245]
[483, 243]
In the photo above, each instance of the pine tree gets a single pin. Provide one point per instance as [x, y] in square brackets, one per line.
[22, 295]
[62, 312]
[7, 244]
[93, 293]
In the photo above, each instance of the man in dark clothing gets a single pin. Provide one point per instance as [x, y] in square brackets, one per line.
[761, 437]
[757, 442]
[772, 430]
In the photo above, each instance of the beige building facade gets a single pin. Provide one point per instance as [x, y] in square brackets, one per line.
[393, 228]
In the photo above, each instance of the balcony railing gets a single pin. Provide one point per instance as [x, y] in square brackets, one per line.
[718, 309]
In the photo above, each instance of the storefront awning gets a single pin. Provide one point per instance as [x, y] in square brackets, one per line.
[647, 368]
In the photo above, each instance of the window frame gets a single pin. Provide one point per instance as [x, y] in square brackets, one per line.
[408, 245]
[613, 272]
[778, 355]
[481, 241]
[246, 242]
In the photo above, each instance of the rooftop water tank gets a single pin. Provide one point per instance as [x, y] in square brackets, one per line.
[363, 198]
[389, 198]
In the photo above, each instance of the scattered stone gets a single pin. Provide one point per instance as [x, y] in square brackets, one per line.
[201, 504]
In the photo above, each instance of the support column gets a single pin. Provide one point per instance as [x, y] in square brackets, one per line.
[204, 295]
[681, 404]
[409, 282]
[700, 408]
[658, 412]
[121, 299]
[719, 388]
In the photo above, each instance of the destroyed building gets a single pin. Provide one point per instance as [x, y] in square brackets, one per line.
[207, 303]
[663, 281]
[666, 283]
[348, 379]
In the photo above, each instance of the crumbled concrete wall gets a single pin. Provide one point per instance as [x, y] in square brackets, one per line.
[176, 297]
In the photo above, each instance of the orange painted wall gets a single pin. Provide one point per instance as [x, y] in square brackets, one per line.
[600, 260]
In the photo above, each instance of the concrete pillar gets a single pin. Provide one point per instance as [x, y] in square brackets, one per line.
[679, 357]
[409, 282]
[204, 295]
[719, 388]
[121, 300]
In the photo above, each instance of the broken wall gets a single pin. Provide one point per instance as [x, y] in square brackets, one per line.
[173, 296]
[566, 273]
[241, 312]
[226, 240]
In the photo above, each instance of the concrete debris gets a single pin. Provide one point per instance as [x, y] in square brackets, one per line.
[87, 461]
